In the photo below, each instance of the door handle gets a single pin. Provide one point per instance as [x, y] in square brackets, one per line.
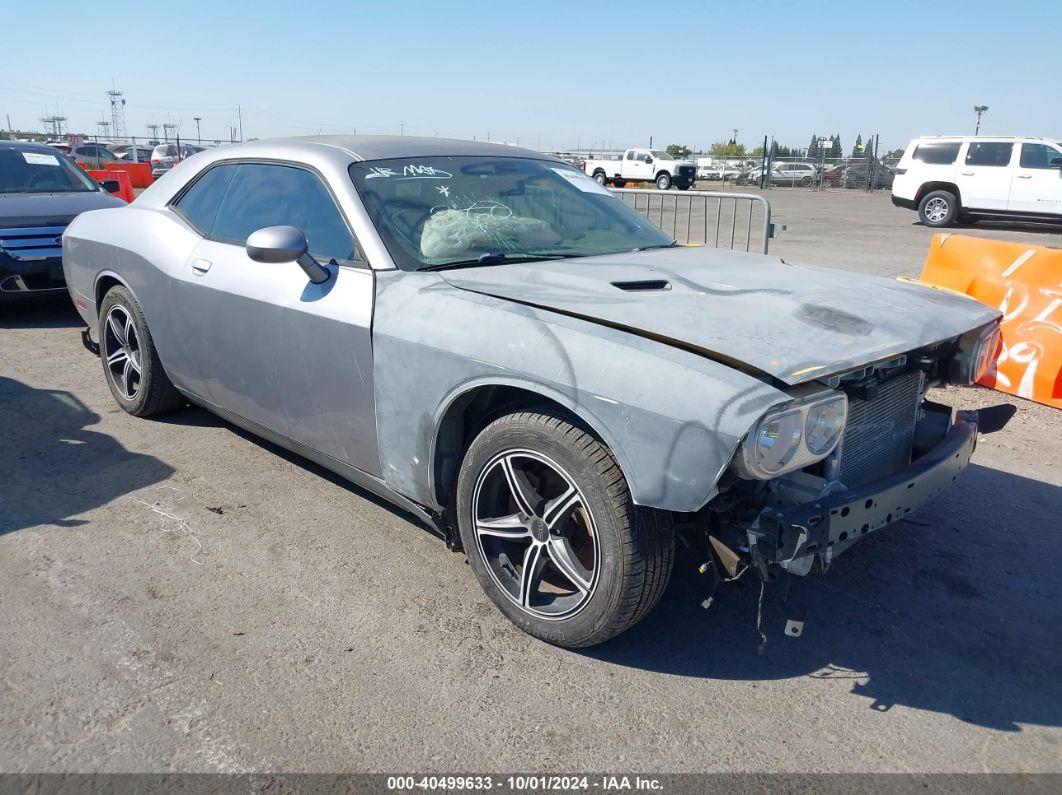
[200, 266]
[966, 174]
[1024, 176]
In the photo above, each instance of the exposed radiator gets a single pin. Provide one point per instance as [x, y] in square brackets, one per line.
[880, 432]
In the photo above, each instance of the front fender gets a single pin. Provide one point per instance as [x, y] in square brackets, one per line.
[672, 418]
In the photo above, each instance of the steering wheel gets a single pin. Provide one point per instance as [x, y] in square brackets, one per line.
[406, 217]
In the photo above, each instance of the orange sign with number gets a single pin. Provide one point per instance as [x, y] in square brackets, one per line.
[1024, 283]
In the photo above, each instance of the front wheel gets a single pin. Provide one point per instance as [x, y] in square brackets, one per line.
[130, 362]
[938, 208]
[663, 181]
[550, 530]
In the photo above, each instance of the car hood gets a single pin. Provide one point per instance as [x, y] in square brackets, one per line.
[50, 209]
[793, 322]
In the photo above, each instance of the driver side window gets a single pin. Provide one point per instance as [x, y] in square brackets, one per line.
[262, 194]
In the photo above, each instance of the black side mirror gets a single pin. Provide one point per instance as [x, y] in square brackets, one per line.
[1055, 162]
[111, 185]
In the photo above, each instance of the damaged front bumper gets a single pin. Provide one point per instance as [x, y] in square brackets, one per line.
[800, 536]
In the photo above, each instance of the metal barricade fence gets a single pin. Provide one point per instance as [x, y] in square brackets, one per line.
[737, 221]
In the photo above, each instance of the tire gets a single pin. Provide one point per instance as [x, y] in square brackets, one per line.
[683, 187]
[125, 347]
[938, 208]
[619, 183]
[663, 181]
[599, 177]
[805, 182]
[582, 512]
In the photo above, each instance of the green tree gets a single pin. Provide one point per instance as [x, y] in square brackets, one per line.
[835, 147]
[727, 149]
[678, 150]
[857, 150]
[814, 152]
[757, 152]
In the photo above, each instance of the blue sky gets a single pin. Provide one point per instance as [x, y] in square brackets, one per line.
[555, 74]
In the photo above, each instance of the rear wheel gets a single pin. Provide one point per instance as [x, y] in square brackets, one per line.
[551, 532]
[663, 181]
[130, 362]
[806, 182]
[599, 177]
[938, 208]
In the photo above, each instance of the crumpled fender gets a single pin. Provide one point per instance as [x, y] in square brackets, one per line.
[671, 417]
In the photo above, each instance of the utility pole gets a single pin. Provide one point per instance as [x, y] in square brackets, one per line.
[154, 131]
[979, 110]
[198, 134]
[239, 115]
[167, 128]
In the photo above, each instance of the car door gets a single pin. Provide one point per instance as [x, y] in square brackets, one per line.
[641, 167]
[289, 355]
[1037, 186]
[985, 174]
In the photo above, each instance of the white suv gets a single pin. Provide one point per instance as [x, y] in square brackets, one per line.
[965, 177]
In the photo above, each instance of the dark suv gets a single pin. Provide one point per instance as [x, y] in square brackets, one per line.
[41, 191]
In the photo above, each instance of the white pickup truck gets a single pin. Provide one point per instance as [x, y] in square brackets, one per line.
[643, 165]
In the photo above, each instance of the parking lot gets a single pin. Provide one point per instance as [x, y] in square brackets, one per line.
[182, 596]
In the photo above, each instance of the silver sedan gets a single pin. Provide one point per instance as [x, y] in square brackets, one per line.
[489, 339]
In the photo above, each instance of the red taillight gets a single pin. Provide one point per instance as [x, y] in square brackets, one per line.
[583, 165]
[155, 161]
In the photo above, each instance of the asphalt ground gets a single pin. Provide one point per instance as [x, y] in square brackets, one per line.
[179, 596]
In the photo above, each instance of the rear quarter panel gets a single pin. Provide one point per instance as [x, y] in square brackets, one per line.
[147, 251]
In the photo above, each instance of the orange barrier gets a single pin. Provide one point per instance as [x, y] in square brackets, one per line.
[1025, 283]
[125, 190]
[139, 173]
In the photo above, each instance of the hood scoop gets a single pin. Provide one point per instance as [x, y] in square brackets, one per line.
[643, 286]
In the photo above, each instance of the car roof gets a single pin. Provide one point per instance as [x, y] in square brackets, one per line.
[382, 147]
[27, 146]
[984, 137]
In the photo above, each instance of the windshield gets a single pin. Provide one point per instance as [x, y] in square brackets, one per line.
[40, 172]
[439, 211]
[660, 155]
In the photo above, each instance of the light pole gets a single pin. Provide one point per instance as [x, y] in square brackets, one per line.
[979, 110]
[198, 135]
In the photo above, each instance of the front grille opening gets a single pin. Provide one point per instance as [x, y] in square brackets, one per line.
[879, 437]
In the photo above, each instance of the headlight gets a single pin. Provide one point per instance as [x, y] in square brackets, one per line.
[977, 352]
[793, 436]
[777, 439]
[824, 425]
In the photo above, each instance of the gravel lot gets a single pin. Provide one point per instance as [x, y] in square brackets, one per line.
[181, 597]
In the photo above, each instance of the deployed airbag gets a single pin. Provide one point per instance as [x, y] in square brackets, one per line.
[451, 233]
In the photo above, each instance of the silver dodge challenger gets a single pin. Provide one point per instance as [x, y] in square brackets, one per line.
[487, 338]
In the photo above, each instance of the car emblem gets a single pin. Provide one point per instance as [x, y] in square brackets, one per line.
[58, 241]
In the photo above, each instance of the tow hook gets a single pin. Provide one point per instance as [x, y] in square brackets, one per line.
[86, 340]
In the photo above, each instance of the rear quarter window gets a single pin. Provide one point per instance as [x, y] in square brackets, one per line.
[937, 154]
[198, 205]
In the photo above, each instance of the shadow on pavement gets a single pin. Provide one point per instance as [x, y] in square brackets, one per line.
[201, 418]
[57, 312]
[954, 611]
[53, 467]
[1001, 225]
